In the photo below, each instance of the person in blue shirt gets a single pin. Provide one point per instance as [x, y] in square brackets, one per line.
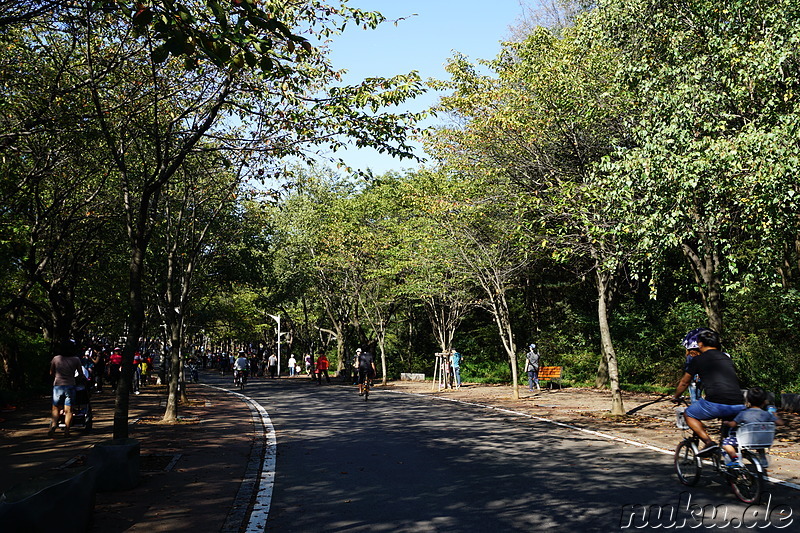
[455, 364]
[692, 350]
[756, 412]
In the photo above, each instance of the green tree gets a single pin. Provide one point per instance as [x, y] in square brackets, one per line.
[311, 230]
[538, 130]
[427, 258]
[714, 152]
[150, 113]
[193, 208]
[58, 228]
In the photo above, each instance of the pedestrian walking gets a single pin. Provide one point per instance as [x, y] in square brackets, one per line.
[272, 363]
[64, 368]
[532, 367]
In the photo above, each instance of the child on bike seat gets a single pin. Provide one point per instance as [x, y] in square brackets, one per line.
[756, 404]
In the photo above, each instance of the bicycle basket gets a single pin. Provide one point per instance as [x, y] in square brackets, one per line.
[755, 435]
[680, 421]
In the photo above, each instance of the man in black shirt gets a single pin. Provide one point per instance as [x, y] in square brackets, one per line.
[366, 369]
[723, 393]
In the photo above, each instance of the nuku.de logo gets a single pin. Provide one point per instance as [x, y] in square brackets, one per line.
[688, 515]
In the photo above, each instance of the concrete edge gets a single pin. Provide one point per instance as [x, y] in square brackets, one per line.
[250, 509]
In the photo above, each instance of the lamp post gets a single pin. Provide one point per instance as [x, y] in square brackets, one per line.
[278, 320]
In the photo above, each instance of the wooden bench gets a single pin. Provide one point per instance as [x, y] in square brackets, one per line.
[551, 374]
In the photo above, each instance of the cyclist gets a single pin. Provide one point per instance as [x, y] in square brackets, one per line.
[240, 367]
[366, 369]
[723, 394]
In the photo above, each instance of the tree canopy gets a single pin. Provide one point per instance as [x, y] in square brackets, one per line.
[606, 183]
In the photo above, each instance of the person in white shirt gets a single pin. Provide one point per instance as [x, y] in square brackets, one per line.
[240, 366]
[272, 363]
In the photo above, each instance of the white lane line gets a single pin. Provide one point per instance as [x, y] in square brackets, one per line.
[257, 520]
[576, 428]
[263, 501]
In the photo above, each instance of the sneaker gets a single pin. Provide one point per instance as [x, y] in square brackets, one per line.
[708, 449]
[734, 464]
[52, 431]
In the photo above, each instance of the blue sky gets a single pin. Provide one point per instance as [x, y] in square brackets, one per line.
[422, 42]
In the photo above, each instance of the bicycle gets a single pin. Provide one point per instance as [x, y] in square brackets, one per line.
[367, 385]
[194, 374]
[746, 479]
[239, 379]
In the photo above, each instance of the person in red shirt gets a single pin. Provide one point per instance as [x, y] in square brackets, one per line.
[115, 368]
[137, 371]
[322, 368]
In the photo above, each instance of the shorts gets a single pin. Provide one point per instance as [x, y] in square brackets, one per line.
[362, 375]
[731, 441]
[702, 409]
[65, 393]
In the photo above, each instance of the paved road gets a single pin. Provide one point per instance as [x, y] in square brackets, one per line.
[408, 463]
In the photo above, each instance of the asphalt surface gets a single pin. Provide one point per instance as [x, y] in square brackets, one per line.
[397, 462]
[409, 463]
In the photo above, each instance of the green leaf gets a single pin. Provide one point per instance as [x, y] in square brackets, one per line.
[159, 54]
[177, 44]
[143, 17]
[224, 52]
[266, 63]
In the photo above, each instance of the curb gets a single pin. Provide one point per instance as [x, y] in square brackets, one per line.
[251, 508]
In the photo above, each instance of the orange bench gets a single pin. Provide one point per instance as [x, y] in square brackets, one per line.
[551, 374]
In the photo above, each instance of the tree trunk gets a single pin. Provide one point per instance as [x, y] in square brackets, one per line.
[135, 326]
[341, 364]
[171, 412]
[384, 368]
[9, 357]
[503, 321]
[706, 268]
[601, 379]
[607, 346]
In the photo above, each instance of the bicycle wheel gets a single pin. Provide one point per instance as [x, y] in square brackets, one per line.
[687, 465]
[747, 480]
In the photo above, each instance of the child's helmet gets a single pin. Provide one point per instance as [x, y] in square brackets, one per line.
[690, 340]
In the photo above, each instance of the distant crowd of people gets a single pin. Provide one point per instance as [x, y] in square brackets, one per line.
[78, 372]
[102, 365]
